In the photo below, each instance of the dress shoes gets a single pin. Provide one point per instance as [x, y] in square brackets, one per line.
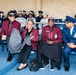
[22, 67]
[67, 67]
[9, 58]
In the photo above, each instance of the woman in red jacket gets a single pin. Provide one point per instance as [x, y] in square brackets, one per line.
[7, 27]
[33, 36]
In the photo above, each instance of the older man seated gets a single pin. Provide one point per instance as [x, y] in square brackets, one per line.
[50, 46]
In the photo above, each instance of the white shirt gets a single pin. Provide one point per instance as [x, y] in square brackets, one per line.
[43, 23]
[71, 30]
[22, 21]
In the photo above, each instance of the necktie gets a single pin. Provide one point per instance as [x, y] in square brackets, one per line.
[51, 33]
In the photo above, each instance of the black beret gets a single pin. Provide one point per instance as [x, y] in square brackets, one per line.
[24, 10]
[1, 12]
[40, 11]
[11, 13]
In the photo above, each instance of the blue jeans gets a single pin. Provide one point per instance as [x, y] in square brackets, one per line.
[66, 53]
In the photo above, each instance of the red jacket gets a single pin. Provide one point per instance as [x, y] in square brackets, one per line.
[35, 40]
[57, 34]
[6, 31]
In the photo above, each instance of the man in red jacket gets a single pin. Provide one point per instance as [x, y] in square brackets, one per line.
[7, 28]
[51, 45]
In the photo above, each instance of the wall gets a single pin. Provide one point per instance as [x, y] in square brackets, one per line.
[6, 5]
[55, 8]
[59, 8]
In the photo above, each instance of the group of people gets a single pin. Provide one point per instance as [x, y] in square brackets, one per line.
[49, 47]
[22, 16]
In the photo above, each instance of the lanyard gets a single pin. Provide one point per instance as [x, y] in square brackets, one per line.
[50, 33]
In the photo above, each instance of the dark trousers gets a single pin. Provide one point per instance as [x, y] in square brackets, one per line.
[9, 54]
[58, 53]
[42, 58]
[24, 54]
[53, 63]
[66, 54]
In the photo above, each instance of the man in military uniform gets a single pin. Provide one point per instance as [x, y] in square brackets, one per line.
[24, 14]
[69, 38]
[38, 18]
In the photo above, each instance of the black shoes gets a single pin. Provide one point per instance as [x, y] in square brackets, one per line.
[18, 69]
[9, 58]
[58, 67]
[67, 67]
[51, 68]
[44, 66]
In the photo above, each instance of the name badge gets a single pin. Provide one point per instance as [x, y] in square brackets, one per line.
[48, 31]
[55, 36]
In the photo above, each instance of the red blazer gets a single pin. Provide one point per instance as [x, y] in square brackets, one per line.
[57, 34]
[6, 31]
[35, 40]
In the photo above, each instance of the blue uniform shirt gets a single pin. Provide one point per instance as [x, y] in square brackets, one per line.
[67, 37]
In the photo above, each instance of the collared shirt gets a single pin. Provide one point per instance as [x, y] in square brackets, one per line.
[43, 22]
[38, 19]
[56, 37]
[22, 21]
[71, 30]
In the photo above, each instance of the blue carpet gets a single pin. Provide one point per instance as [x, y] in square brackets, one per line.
[9, 68]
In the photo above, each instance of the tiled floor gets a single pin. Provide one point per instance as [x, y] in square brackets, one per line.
[9, 68]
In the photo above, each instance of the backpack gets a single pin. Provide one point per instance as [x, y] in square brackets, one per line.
[33, 65]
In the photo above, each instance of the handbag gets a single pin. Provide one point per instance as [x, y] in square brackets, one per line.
[33, 65]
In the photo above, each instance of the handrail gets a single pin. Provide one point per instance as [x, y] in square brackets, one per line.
[54, 23]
